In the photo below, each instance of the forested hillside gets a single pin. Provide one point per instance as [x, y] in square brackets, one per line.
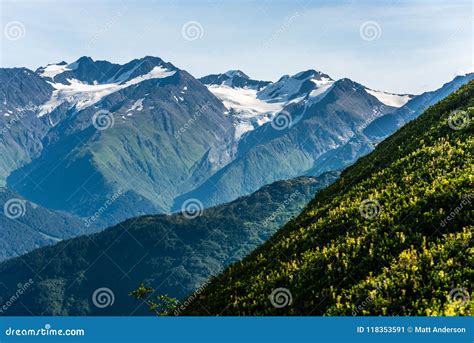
[173, 253]
[393, 236]
[25, 226]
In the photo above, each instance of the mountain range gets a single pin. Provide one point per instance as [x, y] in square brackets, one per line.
[145, 102]
[93, 144]
[174, 253]
[147, 137]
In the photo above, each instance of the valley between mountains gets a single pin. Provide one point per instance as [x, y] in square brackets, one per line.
[167, 137]
[115, 175]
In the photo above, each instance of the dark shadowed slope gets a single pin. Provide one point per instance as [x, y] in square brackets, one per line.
[174, 254]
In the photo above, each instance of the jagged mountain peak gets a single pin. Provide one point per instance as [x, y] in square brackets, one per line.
[85, 81]
[290, 87]
[138, 67]
[311, 73]
[84, 59]
[234, 79]
[90, 71]
[236, 73]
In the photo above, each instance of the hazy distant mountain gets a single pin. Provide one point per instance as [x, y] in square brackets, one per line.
[364, 141]
[174, 253]
[26, 226]
[388, 124]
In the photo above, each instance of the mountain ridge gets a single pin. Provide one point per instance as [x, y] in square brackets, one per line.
[171, 137]
[174, 253]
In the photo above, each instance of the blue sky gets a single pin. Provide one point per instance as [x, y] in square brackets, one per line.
[398, 46]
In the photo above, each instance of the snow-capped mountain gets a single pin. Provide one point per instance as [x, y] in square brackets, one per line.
[329, 128]
[171, 137]
[234, 79]
[296, 86]
[166, 134]
[321, 118]
[252, 103]
[85, 82]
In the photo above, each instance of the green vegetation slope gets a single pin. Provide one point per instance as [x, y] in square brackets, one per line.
[393, 236]
[175, 254]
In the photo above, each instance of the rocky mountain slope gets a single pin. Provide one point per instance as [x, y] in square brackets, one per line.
[325, 117]
[145, 129]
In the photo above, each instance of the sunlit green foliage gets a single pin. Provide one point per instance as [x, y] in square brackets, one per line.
[404, 261]
[159, 304]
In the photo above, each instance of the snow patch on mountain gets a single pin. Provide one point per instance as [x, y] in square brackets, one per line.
[314, 97]
[252, 106]
[389, 99]
[249, 112]
[51, 70]
[82, 95]
[289, 87]
[319, 93]
[136, 107]
[244, 99]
